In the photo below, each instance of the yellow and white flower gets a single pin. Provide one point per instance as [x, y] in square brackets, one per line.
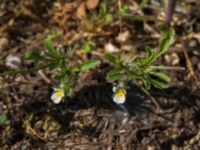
[119, 97]
[57, 96]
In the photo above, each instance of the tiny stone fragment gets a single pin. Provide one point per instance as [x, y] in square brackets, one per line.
[12, 62]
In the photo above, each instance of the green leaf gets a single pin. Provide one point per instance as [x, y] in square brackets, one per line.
[87, 47]
[32, 55]
[53, 64]
[166, 68]
[162, 76]
[102, 10]
[166, 42]
[75, 69]
[149, 52]
[110, 58]
[146, 80]
[123, 10]
[149, 57]
[49, 45]
[114, 75]
[3, 119]
[108, 19]
[89, 65]
[159, 84]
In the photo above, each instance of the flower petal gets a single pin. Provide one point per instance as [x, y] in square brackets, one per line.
[114, 88]
[55, 98]
[119, 99]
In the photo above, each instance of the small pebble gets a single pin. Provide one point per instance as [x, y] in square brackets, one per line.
[123, 36]
[12, 62]
[193, 43]
[3, 43]
[110, 48]
[172, 59]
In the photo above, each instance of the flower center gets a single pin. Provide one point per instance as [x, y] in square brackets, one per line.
[120, 94]
[59, 94]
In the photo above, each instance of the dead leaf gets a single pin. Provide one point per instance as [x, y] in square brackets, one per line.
[87, 25]
[81, 11]
[92, 4]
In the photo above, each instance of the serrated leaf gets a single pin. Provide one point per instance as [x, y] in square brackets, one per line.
[89, 65]
[114, 75]
[32, 55]
[159, 84]
[162, 76]
[110, 58]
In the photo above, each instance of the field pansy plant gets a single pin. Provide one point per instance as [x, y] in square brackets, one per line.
[57, 95]
[119, 96]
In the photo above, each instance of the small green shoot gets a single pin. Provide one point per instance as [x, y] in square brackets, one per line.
[57, 59]
[137, 69]
[88, 46]
[3, 119]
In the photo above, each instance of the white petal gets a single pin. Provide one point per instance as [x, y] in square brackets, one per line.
[114, 88]
[55, 98]
[119, 99]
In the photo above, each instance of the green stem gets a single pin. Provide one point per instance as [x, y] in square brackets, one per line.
[25, 71]
[166, 68]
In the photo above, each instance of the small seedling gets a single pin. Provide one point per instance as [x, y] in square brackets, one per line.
[88, 46]
[67, 73]
[138, 70]
[3, 120]
[104, 15]
[135, 69]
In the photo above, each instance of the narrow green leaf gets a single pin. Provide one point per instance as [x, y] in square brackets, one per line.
[159, 84]
[162, 76]
[147, 84]
[89, 65]
[114, 75]
[148, 51]
[75, 69]
[49, 45]
[32, 55]
[53, 64]
[166, 42]
[102, 10]
[149, 56]
[110, 58]
[166, 68]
